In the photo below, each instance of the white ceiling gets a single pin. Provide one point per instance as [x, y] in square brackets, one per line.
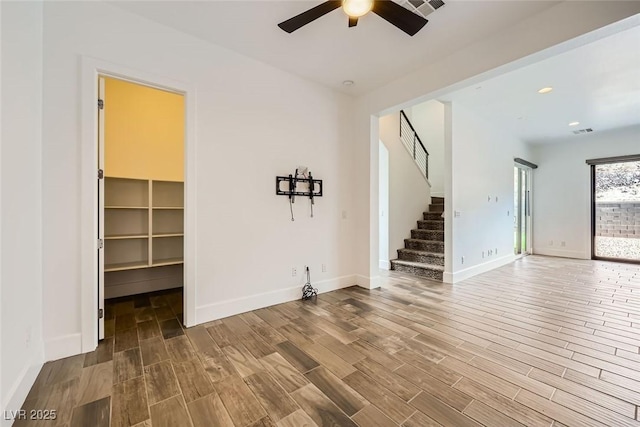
[327, 51]
[597, 84]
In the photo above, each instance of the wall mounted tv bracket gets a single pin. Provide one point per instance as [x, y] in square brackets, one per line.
[288, 186]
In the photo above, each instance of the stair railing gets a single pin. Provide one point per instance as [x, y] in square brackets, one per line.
[413, 144]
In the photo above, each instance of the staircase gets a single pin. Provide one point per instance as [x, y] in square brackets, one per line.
[423, 253]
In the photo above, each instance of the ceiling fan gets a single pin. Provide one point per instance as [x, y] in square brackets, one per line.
[390, 11]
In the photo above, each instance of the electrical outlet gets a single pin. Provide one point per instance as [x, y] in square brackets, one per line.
[496, 251]
[563, 243]
[508, 212]
[324, 268]
[294, 272]
[488, 198]
[462, 260]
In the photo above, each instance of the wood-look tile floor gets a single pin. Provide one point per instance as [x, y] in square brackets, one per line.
[540, 342]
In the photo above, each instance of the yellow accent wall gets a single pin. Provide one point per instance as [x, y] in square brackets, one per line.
[144, 132]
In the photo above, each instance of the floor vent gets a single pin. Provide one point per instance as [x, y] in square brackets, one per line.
[581, 131]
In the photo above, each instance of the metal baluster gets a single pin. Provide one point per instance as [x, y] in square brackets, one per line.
[426, 167]
[414, 146]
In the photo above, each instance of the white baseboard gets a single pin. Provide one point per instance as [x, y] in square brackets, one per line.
[368, 282]
[458, 276]
[562, 253]
[384, 264]
[220, 310]
[64, 346]
[20, 389]
[447, 277]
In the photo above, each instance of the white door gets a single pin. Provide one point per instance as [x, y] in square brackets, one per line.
[101, 209]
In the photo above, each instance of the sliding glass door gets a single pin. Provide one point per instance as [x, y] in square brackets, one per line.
[522, 209]
[616, 210]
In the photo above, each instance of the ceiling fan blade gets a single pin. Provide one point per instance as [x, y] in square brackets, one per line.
[292, 24]
[397, 15]
[353, 22]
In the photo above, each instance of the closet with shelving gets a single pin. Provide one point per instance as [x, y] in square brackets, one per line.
[143, 203]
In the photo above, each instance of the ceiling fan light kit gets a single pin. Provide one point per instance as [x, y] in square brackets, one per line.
[390, 11]
[357, 8]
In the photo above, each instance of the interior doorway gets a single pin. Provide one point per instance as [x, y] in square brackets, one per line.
[521, 209]
[141, 131]
[615, 189]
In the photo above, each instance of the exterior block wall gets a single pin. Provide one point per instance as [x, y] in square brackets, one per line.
[618, 219]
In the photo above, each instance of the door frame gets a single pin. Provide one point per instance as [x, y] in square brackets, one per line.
[101, 210]
[91, 69]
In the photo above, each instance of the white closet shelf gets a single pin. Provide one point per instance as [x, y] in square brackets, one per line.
[167, 261]
[125, 266]
[126, 236]
[143, 229]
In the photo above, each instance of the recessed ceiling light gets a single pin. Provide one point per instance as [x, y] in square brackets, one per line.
[574, 123]
[545, 90]
[348, 82]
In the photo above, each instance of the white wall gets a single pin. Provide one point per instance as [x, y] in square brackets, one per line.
[409, 193]
[522, 44]
[482, 192]
[21, 239]
[384, 206]
[2, 392]
[253, 122]
[427, 119]
[562, 189]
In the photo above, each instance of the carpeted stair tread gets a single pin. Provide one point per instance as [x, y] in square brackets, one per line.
[424, 240]
[419, 252]
[421, 255]
[418, 264]
[429, 271]
[432, 216]
[430, 224]
[434, 235]
[424, 245]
